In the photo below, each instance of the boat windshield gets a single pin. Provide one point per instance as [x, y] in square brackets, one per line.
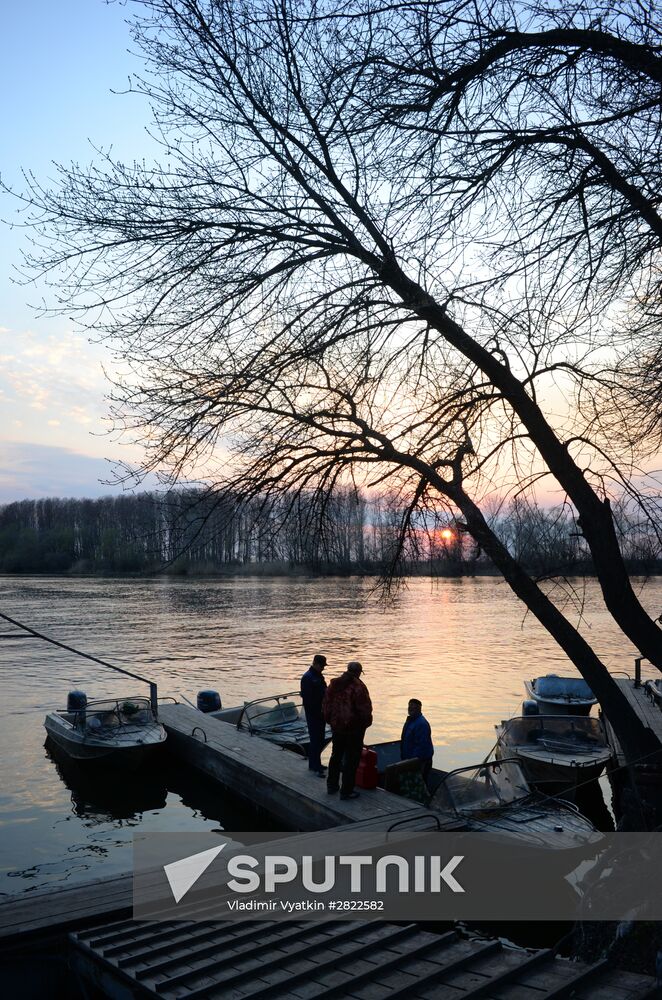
[481, 787]
[273, 714]
[112, 714]
[562, 733]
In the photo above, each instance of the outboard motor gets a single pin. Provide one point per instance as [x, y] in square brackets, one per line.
[530, 708]
[76, 701]
[209, 701]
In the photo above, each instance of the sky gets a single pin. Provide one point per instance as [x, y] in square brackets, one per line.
[60, 63]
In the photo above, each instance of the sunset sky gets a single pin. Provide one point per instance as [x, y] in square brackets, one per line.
[60, 62]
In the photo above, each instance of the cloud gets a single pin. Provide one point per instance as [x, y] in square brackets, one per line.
[60, 373]
[32, 471]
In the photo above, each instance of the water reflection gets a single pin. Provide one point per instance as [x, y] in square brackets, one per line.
[111, 795]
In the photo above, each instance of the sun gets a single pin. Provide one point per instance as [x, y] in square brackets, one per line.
[446, 534]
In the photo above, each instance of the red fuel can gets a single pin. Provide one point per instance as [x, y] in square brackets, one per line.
[366, 773]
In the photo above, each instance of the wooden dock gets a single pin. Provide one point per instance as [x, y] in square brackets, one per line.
[649, 713]
[33, 915]
[327, 961]
[637, 792]
[269, 778]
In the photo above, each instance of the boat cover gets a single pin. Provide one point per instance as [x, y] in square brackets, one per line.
[553, 686]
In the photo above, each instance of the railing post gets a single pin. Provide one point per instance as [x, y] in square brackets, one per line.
[153, 699]
[637, 671]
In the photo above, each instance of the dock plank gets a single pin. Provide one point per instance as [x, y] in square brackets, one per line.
[651, 717]
[66, 907]
[650, 714]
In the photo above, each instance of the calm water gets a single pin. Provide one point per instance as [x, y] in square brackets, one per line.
[462, 646]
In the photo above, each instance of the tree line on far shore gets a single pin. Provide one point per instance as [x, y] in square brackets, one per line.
[194, 531]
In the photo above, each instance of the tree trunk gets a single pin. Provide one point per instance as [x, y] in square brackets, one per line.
[595, 518]
[635, 738]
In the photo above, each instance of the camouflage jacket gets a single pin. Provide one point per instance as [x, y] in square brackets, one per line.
[347, 707]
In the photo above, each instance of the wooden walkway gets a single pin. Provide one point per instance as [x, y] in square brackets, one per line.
[269, 778]
[40, 914]
[637, 791]
[325, 961]
[649, 713]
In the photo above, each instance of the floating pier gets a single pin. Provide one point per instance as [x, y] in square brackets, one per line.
[269, 778]
[649, 713]
[637, 792]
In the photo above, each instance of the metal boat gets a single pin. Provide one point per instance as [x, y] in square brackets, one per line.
[557, 750]
[555, 695]
[123, 731]
[495, 797]
[491, 797]
[278, 718]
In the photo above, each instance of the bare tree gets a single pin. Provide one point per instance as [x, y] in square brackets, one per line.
[387, 246]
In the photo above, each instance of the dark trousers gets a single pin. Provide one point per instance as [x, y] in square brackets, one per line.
[426, 767]
[316, 729]
[345, 756]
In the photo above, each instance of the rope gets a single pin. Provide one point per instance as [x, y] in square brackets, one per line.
[87, 656]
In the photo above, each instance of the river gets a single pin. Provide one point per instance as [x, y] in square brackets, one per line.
[463, 646]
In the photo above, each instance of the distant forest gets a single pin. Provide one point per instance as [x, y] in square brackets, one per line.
[192, 531]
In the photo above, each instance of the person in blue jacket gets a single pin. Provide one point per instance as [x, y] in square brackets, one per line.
[313, 688]
[416, 739]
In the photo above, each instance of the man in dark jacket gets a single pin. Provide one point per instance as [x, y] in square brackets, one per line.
[416, 739]
[348, 710]
[313, 687]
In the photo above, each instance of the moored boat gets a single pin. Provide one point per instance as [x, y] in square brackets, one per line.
[556, 695]
[116, 731]
[491, 797]
[495, 797]
[555, 750]
[278, 718]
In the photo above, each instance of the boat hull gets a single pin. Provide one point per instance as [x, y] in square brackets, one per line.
[129, 752]
[560, 774]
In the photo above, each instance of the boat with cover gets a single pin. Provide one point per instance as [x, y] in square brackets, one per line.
[555, 695]
[559, 750]
[278, 718]
[123, 731]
